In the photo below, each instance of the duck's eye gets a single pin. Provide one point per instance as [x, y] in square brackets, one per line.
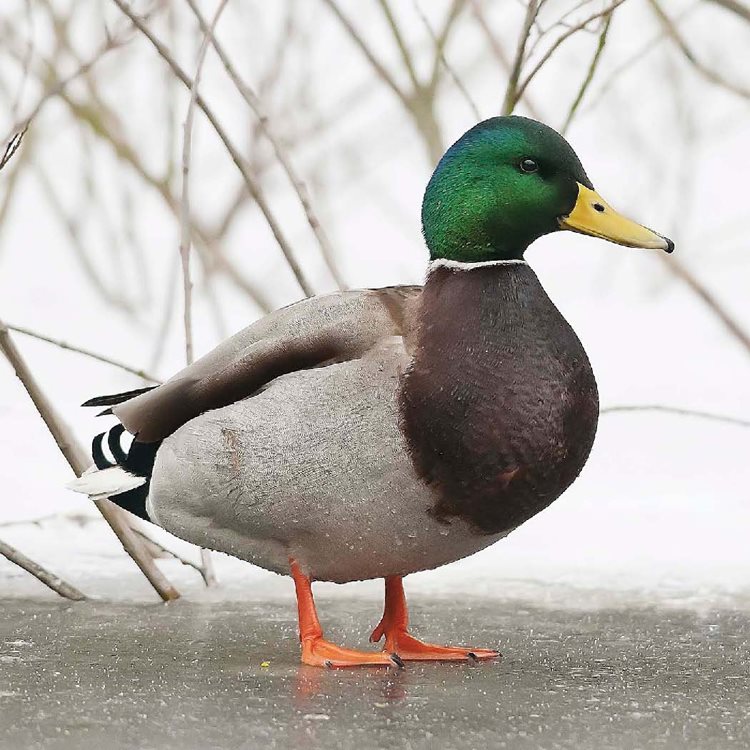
[529, 165]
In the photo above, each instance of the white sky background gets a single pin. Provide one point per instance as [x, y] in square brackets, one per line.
[662, 499]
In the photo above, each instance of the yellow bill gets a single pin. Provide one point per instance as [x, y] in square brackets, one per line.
[594, 216]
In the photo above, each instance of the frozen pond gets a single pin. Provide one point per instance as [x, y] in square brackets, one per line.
[192, 675]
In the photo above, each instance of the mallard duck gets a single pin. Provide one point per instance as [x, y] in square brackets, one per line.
[376, 433]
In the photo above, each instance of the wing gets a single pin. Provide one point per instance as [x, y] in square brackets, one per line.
[310, 333]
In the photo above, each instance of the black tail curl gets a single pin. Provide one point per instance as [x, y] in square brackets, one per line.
[139, 461]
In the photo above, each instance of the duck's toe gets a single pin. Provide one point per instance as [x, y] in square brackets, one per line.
[410, 648]
[317, 652]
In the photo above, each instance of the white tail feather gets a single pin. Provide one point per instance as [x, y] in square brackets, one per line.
[101, 484]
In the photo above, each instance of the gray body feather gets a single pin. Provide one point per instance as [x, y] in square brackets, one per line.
[313, 467]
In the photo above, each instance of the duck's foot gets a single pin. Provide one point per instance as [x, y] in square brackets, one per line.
[410, 648]
[317, 652]
[398, 640]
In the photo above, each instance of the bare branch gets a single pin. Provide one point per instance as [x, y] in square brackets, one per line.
[187, 143]
[252, 186]
[710, 75]
[48, 579]
[716, 307]
[400, 43]
[95, 118]
[85, 352]
[734, 7]
[441, 41]
[26, 61]
[589, 75]
[499, 53]
[440, 55]
[79, 462]
[562, 38]
[61, 84]
[70, 223]
[511, 91]
[264, 122]
[207, 568]
[208, 580]
[380, 70]
[676, 410]
[13, 145]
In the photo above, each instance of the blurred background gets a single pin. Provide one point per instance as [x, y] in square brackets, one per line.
[345, 106]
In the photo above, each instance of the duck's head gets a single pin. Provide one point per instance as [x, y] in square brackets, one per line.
[508, 181]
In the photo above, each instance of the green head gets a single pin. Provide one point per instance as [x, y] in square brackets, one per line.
[508, 181]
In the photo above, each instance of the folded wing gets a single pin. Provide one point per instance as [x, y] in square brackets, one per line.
[310, 333]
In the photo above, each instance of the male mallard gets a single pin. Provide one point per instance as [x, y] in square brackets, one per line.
[375, 433]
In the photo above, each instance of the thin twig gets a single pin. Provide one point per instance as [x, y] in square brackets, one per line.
[440, 53]
[511, 90]
[26, 62]
[441, 42]
[377, 66]
[708, 298]
[676, 410]
[734, 7]
[589, 75]
[93, 118]
[85, 352]
[48, 579]
[252, 186]
[71, 225]
[61, 84]
[256, 105]
[400, 43]
[499, 53]
[207, 568]
[171, 553]
[562, 38]
[710, 75]
[185, 224]
[13, 145]
[636, 57]
[79, 462]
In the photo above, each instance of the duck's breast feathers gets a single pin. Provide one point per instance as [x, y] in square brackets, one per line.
[499, 406]
[311, 333]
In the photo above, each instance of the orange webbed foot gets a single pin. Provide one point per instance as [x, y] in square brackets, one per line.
[410, 648]
[317, 652]
[393, 626]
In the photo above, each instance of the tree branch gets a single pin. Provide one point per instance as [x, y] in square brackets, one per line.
[48, 579]
[716, 307]
[511, 91]
[85, 352]
[676, 410]
[207, 568]
[298, 184]
[79, 462]
[441, 58]
[589, 75]
[710, 75]
[252, 186]
[562, 38]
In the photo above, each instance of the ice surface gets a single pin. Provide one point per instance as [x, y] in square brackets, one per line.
[191, 676]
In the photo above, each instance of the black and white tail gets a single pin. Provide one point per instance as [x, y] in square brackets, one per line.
[125, 481]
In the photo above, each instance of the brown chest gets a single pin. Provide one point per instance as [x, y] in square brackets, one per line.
[499, 406]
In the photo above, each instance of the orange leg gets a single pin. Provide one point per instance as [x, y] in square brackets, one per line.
[394, 624]
[316, 651]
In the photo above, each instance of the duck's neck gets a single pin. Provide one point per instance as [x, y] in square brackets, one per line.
[469, 305]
